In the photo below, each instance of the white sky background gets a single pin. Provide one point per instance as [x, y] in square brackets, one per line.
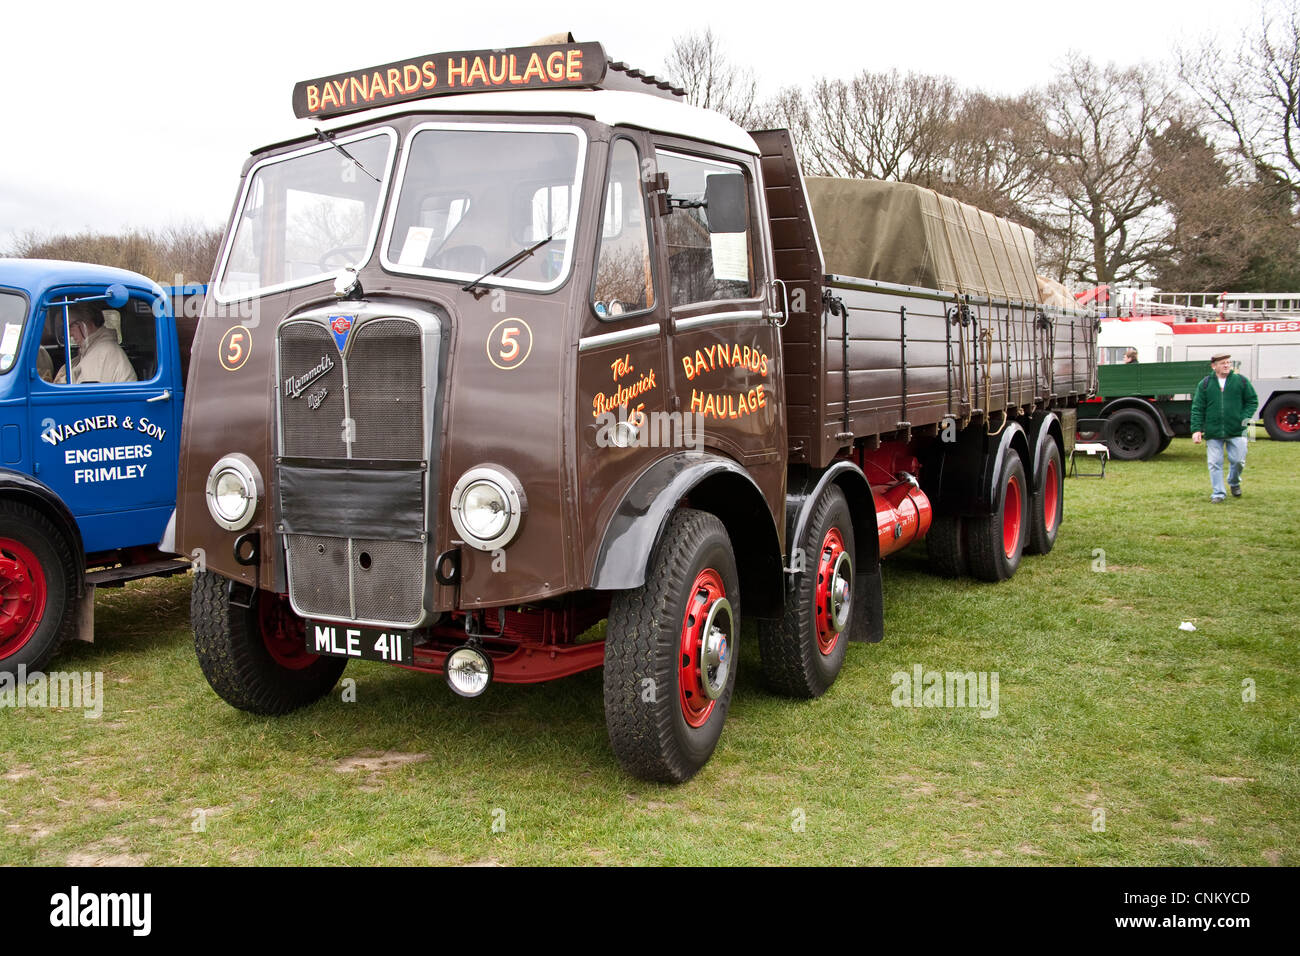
[141, 114]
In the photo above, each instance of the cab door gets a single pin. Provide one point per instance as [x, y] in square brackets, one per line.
[110, 449]
[724, 346]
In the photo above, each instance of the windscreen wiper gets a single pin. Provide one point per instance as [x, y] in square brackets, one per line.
[328, 139]
[521, 254]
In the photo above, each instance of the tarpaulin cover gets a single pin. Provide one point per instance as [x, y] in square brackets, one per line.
[910, 235]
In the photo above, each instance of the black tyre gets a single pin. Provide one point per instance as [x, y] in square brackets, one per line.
[1134, 435]
[804, 651]
[1282, 417]
[670, 663]
[995, 543]
[1047, 503]
[256, 658]
[39, 596]
[945, 544]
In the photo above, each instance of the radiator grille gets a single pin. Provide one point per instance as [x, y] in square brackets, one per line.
[384, 590]
[318, 574]
[379, 581]
[385, 378]
[311, 432]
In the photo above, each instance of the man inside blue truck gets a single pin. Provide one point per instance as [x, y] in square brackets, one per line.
[101, 358]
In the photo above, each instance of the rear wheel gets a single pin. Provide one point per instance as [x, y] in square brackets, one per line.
[945, 544]
[670, 645]
[995, 542]
[804, 651]
[38, 588]
[256, 658]
[1282, 418]
[1134, 435]
[1046, 504]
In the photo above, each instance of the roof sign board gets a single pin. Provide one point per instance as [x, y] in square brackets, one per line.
[551, 66]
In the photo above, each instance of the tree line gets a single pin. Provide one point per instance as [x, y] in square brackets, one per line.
[1184, 174]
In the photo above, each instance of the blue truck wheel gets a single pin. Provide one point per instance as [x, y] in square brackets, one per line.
[38, 602]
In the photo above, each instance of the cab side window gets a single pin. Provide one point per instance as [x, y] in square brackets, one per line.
[704, 265]
[624, 281]
[108, 346]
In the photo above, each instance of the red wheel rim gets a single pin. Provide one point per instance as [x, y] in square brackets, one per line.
[828, 635]
[1011, 518]
[695, 701]
[22, 595]
[1051, 496]
[1288, 418]
[283, 632]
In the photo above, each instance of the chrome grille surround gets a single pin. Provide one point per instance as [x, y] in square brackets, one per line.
[338, 414]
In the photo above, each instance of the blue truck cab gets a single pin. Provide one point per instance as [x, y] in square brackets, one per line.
[88, 460]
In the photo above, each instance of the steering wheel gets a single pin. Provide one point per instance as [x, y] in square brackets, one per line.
[349, 251]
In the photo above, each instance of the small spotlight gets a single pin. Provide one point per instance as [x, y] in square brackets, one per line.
[469, 670]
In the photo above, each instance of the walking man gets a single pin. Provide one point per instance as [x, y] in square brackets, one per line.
[1222, 408]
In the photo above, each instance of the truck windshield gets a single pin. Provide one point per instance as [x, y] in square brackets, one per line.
[472, 197]
[13, 310]
[304, 216]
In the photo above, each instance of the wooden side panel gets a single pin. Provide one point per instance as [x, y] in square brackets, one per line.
[909, 364]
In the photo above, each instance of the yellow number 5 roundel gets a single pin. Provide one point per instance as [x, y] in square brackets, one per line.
[509, 343]
[235, 346]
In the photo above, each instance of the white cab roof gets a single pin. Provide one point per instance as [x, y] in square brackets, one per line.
[611, 107]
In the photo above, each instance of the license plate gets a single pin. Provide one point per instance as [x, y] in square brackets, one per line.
[364, 643]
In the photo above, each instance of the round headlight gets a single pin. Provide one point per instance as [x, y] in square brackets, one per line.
[487, 505]
[234, 485]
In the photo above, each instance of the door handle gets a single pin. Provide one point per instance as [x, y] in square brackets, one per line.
[166, 394]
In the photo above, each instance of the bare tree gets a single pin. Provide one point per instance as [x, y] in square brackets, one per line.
[1252, 95]
[990, 156]
[698, 64]
[1098, 127]
[876, 126]
[187, 251]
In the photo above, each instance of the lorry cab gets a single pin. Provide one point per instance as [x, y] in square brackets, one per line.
[90, 400]
[104, 448]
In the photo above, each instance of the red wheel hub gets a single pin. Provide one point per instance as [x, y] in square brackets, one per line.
[1288, 418]
[1011, 510]
[283, 632]
[1051, 495]
[834, 591]
[22, 595]
[706, 647]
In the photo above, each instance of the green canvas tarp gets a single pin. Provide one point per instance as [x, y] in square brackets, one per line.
[910, 235]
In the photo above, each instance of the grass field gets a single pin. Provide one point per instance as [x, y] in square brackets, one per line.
[1107, 714]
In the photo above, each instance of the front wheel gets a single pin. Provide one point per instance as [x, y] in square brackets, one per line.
[670, 653]
[804, 651]
[256, 658]
[1282, 418]
[38, 589]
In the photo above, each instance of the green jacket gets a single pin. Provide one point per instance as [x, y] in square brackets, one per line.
[1224, 413]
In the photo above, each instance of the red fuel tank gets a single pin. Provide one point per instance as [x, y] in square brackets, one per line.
[902, 514]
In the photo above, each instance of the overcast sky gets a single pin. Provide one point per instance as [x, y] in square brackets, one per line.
[141, 114]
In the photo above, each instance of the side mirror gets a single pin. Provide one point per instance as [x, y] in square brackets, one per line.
[724, 202]
[117, 296]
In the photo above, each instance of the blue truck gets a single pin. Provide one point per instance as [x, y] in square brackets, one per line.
[88, 458]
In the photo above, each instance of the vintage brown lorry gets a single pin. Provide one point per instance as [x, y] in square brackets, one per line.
[529, 343]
